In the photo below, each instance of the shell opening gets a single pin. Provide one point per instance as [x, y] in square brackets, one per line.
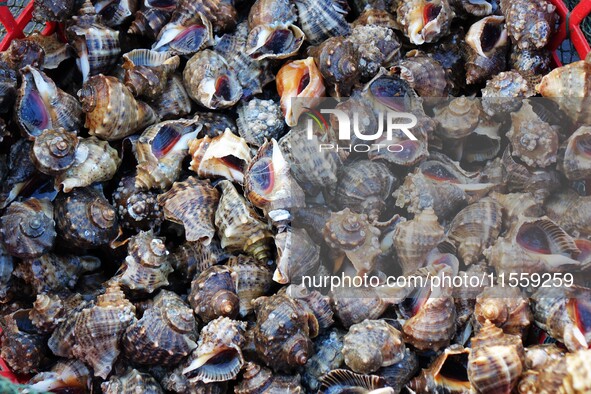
[431, 12]
[34, 115]
[491, 34]
[454, 371]
[223, 88]
[164, 141]
[534, 238]
[438, 172]
[219, 365]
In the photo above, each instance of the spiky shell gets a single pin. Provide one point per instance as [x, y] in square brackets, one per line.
[54, 151]
[577, 162]
[132, 382]
[252, 281]
[297, 255]
[147, 72]
[260, 120]
[505, 308]
[136, 209]
[530, 25]
[213, 293]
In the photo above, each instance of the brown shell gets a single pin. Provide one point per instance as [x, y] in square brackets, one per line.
[131, 382]
[239, 228]
[268, 183]
[146, 267]
[371, 345]
[516, 204]
[260, 120]
[316, 302]
[47, 313]
[496, 360]
[354, 310]
[147, 72]
[343, 380]
[42, 105]
[22, 348]
[218, 356]
[475, 228]
[191, 258]
[61, 341]
[258, 380]
[424, 74]
[95, 161]
[322, 19]
[504, 91]
[252, 281]
[165, 334]
[297, 255]
[213, 293]
[486, 49]
[160, 151]
[150, 20]
[530, 25]
[424, 21]
[100, 95]
[577, 379]
[225, 156]
[444, 373]
[187, 31]
[283, 341]
[458, 118]
[415, 238]
[353, 235]
[66, 374]
[377, 46]
[576, 164]
[98, 330]
[28, 228]
[505, 308]
[570, 211]
[192, 203]
[327, 356]
[136, 209]
[54, 151]
[84, 218]
[175, 101]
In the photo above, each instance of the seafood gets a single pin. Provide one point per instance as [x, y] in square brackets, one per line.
[174, 102]
[132, 381]
[116, 13]
[322, 19]
[252, 281]
[570, 211]
[343, 380]
[99, 95]
[54, 151]
[486, 49]
[151, 18]
[297, 255]
[376, 46]
[507, 309]
[147, 72]
[327, 357]
[424, 74]
[22, 347]
[213, 293]
[66, 374]
[260, 120]
[576, 163]
[136, 209]
[446, 373]
[257, 378]
[501, 94]
[424, 21]
[530, 25]
[191, 258]
[47, 312]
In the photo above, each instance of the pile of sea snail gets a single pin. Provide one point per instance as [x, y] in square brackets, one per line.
[160, 201]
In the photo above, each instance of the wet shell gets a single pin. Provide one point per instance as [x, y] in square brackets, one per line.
[283, 330]
[299, 78]
[42, 105]
[473, 7]
[84, 218]
[218, 356]
[96, 44]
[327, 356]
[174, 102]
[353, 310]
[192, 203]
[337, 60]
[146, 267]
[505, 308]
[424, 74]
[260, 120]
[343, 381]
[22, 348]
[136, 209]
[570, 211]
[58, 11]
[375, 16]
[239, 228]
[47, 313]
[530, 25]
[99, 95]
[99, 328]
[152, 18]
[415, 238]
[486, 49]
[353, 235]
[160, 151]
[54, 151]
[28, 228]
[252, 281]
[424, 21]
[66, 374]
[184, 34]
[297, 255]
[504, 91]
[147, 72]
[226, 155]
[577, 155]
[533, 141]
[210, 82]
[447, 373]
[496, 360]
[213, 294]
[268, 183]
[318, 304]
[376, 46]
[62, 339]
[258, 380]
[272, 33]
[191, 258]
[116, 13]
[221, 13]
[371, 345]
[532, 63]
[165, 334]
[516, 204]
[95, 161]
[131, 382]
[322, 19]
[475, 228]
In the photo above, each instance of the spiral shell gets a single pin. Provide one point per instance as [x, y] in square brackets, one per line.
[213, 294]
[570, 211]
[165, 334]
[116, 13]
[299, 78]
[58, 11]
[530, 25]
[322, 19]
[501, 94]
[175, 101]
[445, 374]
[486, 48]
[414, 239]
[99, 328]
[54, 151]
[475, 228]
[132, 381]
[516, 204]
[496, 360]
[210, 82]
[99, 96]
[377, 46]
[577, 161]
[146, 266]
[191, 258]
[160, 151]
[272, 32]
[147, 72]
[136, 209]
[260, 120]
[297, 255]
[28, 228]
[424, 21]
[252, 281]
[95, 161]
[22, 348]
[239, 227]
[226, 155]
[327, 356]
[42, 105]
[424, 74]
[96, 44]
[283, 341]
[459, 118]
[343, 380]
[47, 313]
[84, 218]
[257, 380]
[184, 34]
[354, 310]
[533, 141]
[61, 341]
[218, 356]
[505, 308]
[66, 374]
[151, 18]
[353, 235]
